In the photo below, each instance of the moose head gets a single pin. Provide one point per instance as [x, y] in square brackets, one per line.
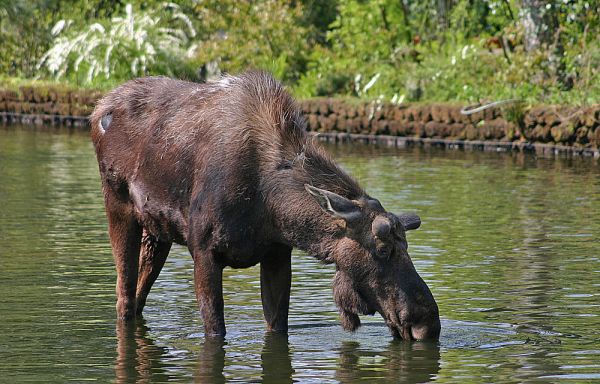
[374, 272]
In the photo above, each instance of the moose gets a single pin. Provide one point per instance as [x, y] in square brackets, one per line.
[227, 169]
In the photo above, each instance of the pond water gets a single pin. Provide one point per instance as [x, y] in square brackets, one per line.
[509, 247]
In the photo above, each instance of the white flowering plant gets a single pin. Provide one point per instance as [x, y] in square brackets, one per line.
[135, 44]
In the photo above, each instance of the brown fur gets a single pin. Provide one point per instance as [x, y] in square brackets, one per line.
[223, 168]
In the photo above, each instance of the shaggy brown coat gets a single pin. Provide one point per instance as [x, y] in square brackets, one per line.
[227, 169]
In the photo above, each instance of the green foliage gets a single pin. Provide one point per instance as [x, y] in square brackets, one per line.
[466, 52]
[135, 44]
[241, 34]
[23, 36]
[390, 50]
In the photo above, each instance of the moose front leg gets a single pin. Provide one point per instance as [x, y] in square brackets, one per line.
[208, 282]
[275, 283]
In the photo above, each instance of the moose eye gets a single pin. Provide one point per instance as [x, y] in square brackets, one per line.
[383, 251]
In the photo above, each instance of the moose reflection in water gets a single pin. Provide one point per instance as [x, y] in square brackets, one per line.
[139, 359]
[400, 362]
[227, 169]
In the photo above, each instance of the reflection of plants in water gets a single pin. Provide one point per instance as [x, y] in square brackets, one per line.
[124, 47]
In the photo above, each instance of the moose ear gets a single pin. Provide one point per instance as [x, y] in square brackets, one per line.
[409, 221]
[334, 204]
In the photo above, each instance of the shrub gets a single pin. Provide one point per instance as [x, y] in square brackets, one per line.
[137, 43]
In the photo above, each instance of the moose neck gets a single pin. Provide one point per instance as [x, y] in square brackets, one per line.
[301, 221]
[308, 229]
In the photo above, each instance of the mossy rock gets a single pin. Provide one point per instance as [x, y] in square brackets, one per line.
[322, 122]
[530, 121]
[357, 127]
[26, 92]
[312, 122]
[594, 138]
[361, 109]
[456, 130]
[456, 116]
[491, 114]
[436, 113]
[11, 106]
[323, 107]
[398, 113]
[419, 129]
[433, 128]
[341, 123]
[396, 128]
[496, 128]
[590, 118]
[411, 114]
[351, 111]
[541, 133]
[64, 96]
[511, 131]
[365, 125]
[387, 111]
[381, 127]
[551, 118]
[563, 133]
[41, 94]
[471, 132]
[422, 113]
[378, 114]
[581, 135]
[12, 95]
[313, 107]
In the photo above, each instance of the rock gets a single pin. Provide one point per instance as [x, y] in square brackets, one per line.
[470, 132]
[581, 135]
[563, 133]
[594, 138]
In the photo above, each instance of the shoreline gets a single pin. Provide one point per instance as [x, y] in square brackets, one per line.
[543, 130]
[539, 149]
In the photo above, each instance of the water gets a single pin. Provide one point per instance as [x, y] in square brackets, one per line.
[509, 247]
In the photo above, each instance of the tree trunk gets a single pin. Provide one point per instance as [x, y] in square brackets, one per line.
[542, 32]
[540, 23]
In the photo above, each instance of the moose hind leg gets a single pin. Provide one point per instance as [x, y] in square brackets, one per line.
[125, 235]
[153, 253]
[275, 283]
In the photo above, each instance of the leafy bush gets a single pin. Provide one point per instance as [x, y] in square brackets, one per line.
[242, 34]
[430, 50]
[135, 44]
[468, 51]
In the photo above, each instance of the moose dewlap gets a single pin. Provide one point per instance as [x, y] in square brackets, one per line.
[227, 169]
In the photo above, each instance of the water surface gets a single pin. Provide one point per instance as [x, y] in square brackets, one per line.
[508, 246]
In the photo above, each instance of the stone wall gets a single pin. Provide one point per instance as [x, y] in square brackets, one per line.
[510, 127]
[570, 126]
[47, 105]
